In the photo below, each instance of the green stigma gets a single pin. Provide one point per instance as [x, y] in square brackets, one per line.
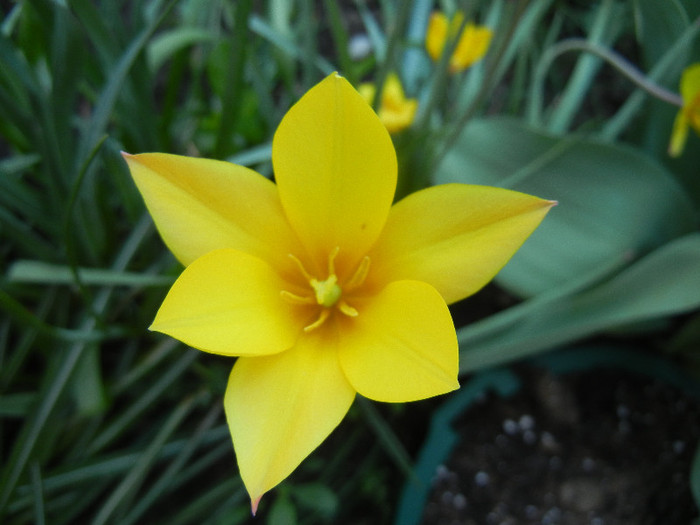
[327, 292]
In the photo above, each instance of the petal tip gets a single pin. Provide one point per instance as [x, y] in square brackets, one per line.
[254, 502]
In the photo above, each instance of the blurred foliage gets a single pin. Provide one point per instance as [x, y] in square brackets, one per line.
[102, 422]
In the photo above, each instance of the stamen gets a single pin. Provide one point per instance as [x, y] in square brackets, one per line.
[347, 309]
[331, 260]
[297, 299]
[300, 265]
[359, 276]
[325, 312]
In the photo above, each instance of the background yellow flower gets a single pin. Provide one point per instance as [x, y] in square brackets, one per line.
[395, 110]
[689, 115]
[471, 47]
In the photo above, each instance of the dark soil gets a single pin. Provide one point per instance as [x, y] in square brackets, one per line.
[600, 447]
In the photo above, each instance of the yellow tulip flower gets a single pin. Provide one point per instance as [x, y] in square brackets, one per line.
[689, 114]
[320, 286]
[395, 110]
[472, 45]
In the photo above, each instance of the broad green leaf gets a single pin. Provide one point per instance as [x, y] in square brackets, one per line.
[663, 283]
[613, 201]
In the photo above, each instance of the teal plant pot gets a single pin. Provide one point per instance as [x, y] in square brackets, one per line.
[442, 437]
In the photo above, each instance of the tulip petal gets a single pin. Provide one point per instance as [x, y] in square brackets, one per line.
[402, 346]
[199, 205]
[690, 84]
[455, 237]
[335, 168]
[436, 35]
[396, 111]
[472, 47]
[679, 134]
[228, 302]
[280, 408]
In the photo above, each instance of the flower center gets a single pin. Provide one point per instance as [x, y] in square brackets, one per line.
[327, 293]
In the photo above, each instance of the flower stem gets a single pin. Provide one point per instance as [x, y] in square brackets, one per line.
[611, 57]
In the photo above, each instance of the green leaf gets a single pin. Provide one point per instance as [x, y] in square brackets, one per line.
[317, 497]
[613, 201]
[166, 44]
[43, 273]
[87, 385]
[16, 405]
[657, 26]
[133, 480]
[282, 512]
[603, 31]
[663, 283]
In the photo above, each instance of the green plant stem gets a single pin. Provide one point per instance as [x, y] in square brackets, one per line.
[340, 39]
[396, 29]
[68, 237]
[231, 104]
[571, 97]
[385, 434]
[37, 485]
[619, 122]
[491, 77]
[611, 57]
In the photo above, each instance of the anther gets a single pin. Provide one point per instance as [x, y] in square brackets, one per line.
[360, 274]
[347, 309]
[297, 299]
[300, 265]
[325, 312]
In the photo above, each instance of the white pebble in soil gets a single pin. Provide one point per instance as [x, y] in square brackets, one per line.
[482, 478]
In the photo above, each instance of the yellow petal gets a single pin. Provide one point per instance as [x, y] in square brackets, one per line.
[679, 135]
[335, 168]
[690, 84]
[396, 111]
[228, 302]
[280, 408]
[455, 237]
[402, 346]
[200, 205]
[471, 48]
[436, 35]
